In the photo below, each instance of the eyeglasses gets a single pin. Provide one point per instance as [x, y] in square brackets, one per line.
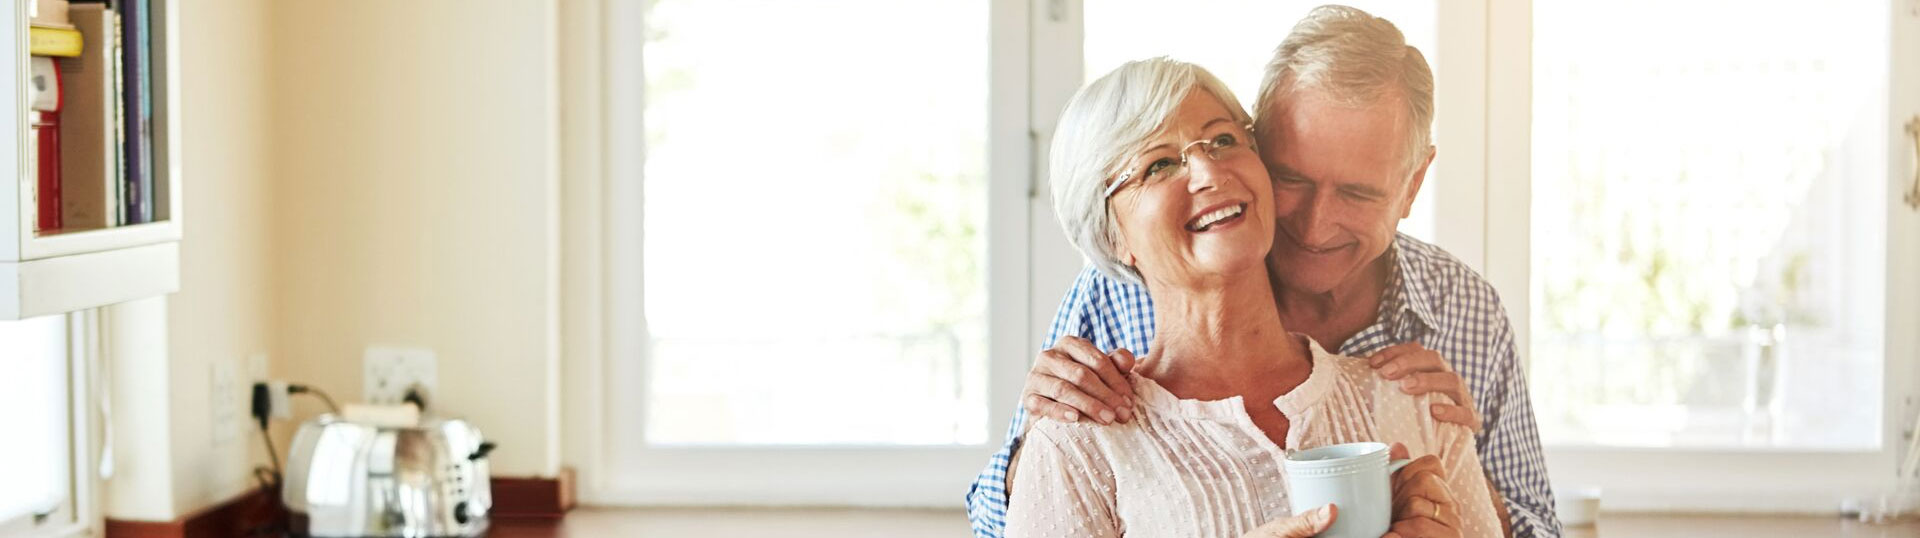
[1220, 147]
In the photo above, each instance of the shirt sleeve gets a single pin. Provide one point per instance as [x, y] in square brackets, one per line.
[1064, 491]
[1466, 479]
[987, 498]
[1510, 442]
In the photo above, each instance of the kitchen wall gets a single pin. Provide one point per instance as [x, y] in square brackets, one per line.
[358, 172]
[416, 170]
[224, 310]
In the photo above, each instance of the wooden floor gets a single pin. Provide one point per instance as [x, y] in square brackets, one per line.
[851, 523]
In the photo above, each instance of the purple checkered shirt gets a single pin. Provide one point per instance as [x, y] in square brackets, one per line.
[1432, 298]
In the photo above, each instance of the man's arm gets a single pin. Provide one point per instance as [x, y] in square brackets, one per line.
[987, 499]
[1510, 447]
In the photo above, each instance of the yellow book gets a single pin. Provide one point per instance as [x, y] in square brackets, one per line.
[50, 41]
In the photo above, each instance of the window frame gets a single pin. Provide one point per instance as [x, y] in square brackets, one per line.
[1690, 479]
[80, 513]
[605, 314]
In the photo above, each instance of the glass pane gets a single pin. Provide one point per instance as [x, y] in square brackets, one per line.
[1708, 223]
[1234, 39]
[33, 461]
[815, 213]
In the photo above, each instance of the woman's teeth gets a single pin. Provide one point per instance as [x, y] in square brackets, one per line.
[1208, 220]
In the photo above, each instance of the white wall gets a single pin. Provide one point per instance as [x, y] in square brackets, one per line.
[357, 172]
[224, 309]
[415, 165]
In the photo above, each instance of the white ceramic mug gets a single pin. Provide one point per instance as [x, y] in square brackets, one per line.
[1356, 477]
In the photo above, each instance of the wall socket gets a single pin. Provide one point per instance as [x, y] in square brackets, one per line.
[390, 371]
[224, 395]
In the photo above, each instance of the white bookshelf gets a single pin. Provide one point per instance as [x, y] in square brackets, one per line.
[44, 274]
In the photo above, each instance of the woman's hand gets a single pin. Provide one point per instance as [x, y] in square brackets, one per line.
[1423, 506]
[1075, 379]
[1304, 525]
[1421, 371]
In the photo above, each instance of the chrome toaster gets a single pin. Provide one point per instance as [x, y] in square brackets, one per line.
[348, 479]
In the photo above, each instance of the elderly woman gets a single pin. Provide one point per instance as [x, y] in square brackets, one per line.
[1156, 180]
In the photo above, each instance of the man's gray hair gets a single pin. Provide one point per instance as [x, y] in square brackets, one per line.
[1107, 121]
[1355, 59]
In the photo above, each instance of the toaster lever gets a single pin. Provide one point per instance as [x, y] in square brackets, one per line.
[485, 448]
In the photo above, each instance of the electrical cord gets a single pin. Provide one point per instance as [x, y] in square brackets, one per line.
[303, 389]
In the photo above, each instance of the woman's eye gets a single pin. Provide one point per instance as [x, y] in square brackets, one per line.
[1161, 167]
[1225, 141]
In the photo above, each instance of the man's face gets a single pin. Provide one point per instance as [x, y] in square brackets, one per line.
[1341, 186]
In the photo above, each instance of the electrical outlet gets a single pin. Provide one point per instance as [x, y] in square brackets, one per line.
[391, 371]
[257, 367]
[223, 401]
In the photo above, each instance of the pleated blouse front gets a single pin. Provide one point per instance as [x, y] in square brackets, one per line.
[1202, 468]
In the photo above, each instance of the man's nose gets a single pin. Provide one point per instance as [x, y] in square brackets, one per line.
[1313, 219]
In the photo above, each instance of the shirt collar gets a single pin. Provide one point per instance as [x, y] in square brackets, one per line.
[1406, 286]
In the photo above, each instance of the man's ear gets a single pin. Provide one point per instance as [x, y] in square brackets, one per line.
[1413, 183]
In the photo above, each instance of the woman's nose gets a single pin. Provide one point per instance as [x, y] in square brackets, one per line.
[1203, 172]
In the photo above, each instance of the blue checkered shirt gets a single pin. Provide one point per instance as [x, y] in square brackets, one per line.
[1432, 298]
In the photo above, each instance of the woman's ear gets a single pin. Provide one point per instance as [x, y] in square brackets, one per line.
[1124, 254]
[1118, 239]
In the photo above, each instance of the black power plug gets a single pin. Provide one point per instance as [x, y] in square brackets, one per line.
[262, 403]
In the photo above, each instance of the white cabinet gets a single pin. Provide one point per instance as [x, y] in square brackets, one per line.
[68, 270]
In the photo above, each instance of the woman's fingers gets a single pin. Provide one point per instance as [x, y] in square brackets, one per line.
[1421, 528]
[1303, 525]
[1428, 464]
[1421, 507]
[1427, 483]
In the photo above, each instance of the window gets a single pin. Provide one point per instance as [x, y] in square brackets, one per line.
[1708, 245]
[815, 223]
[812, 250]
[35, 479]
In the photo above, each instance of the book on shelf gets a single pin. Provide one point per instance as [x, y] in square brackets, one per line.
[52, 41]
[136, 102]
[90, 145]
[43, 110]
[119, 214]
[50, 13]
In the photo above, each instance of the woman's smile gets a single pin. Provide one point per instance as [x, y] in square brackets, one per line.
[1218, 217]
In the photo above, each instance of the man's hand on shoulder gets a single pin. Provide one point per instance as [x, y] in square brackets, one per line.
[1419, 370]
[1075, 379]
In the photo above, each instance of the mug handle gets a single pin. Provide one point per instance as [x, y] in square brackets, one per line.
[1395, 465]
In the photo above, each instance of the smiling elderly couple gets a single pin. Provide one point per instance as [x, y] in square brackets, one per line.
[1231, 253]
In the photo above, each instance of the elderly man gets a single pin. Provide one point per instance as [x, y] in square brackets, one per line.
[1344, 126]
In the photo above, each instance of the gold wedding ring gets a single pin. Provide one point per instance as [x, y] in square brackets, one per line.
[1436, 511]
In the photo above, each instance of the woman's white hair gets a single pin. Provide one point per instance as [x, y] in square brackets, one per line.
[1107, 121]
[1355, 59]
